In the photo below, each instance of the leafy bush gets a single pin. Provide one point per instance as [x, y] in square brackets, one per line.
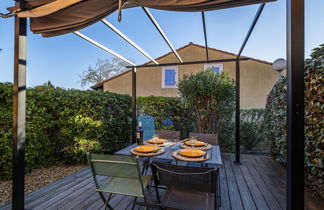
[63, 124]
[252, 127]
[211, 97]
[314, 124]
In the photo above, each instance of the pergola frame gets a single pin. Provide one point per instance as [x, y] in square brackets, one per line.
[295, 106]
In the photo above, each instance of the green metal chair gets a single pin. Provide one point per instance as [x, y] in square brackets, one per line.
[124, 176]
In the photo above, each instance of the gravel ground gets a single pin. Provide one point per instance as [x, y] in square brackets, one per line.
[38, 178]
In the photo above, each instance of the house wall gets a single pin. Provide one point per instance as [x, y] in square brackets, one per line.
[257, 78]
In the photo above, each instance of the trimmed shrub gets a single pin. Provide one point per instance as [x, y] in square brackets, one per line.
[314, 124]
[252, 127]
[63, 124]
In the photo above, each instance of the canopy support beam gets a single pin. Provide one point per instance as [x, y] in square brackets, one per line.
[205, 34]
[103, 47]
[112, 27]
[295, 104]
[19, 114]
[255, 20]
[157, 26]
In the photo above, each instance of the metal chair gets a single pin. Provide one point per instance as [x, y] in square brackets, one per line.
[186, 187]
[205, 137]
[124, 176]
[168, 134]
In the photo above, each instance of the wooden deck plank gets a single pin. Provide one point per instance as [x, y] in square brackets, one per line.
[245, 193]
[272, 179]
[255, 191]
[266, 192]
[74, 197]
[94, 197]
[62, 194]
[100, 205]
[55, 185]
[225, 199]
[235, 197]
[51, 194]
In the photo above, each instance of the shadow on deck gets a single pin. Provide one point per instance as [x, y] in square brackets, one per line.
[259, 183]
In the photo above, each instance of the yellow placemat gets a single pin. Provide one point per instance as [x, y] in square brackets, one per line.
[180, 157]
[158, 152]
[207, 147]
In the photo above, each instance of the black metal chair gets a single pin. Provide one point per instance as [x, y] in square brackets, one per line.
[168, 134]
[186, 187]
[206, 137]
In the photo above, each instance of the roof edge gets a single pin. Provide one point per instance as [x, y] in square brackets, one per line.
[99, 84]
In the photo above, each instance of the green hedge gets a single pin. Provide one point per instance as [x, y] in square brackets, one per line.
[252, 127]
[169, 113]
[62, 124]
[314, 124]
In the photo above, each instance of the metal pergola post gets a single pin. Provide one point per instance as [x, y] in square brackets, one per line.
[19, 114]
[237, 78]
[295, 104]
[134, 120]
[237, 113]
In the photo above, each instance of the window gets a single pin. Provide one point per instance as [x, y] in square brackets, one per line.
[217, 67]
[169, 77]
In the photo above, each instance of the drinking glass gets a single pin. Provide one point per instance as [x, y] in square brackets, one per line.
[192, 141]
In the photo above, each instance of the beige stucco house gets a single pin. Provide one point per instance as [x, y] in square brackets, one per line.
[257, 76]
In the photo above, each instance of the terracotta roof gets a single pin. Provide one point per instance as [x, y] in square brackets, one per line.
[179, 49]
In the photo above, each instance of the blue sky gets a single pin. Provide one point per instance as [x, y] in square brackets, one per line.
[62, 59]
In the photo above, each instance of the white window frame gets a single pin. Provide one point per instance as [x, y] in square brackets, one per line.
[175, 79]
[211, 65]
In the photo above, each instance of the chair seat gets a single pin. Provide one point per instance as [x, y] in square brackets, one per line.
[184, 199]
[125, 186]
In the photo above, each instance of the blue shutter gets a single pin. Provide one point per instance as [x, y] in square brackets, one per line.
[216, 69]
[169, 77]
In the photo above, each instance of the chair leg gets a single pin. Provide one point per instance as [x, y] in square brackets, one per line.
[134, 203]
[219, 191]
[107, 205]
[102, 197]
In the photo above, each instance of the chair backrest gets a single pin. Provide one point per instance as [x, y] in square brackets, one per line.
[184, 177]
[205, 137]
[168, 134]
[148, 126]
[114, 165]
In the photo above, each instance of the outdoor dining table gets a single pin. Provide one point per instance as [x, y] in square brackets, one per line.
[213, 153]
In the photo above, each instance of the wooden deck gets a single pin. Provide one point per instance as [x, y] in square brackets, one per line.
[259, 183]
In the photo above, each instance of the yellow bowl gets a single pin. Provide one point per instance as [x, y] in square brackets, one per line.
[198, 143]
[159, 141]
[191, 152]
[146, 148]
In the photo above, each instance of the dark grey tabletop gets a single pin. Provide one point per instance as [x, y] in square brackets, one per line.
[214, 154]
